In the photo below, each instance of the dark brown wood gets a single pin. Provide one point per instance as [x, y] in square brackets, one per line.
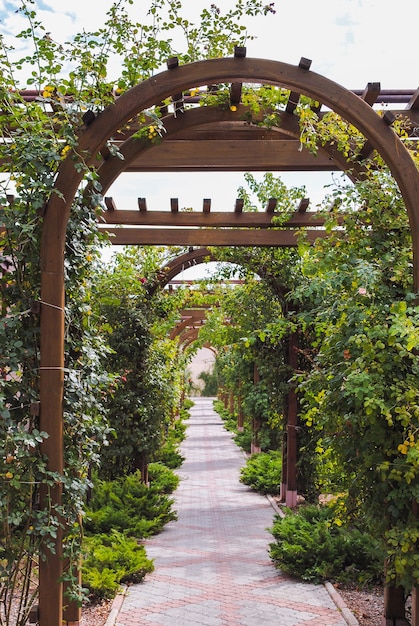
[292, 422]
[51, 390]
[174, 205]
[413, 104]
[209, 237]
[238, 206]
[371, 93]
[271, 206]
[394, 607]
[142, 205]
[235, 93]
[228, 156]
[248, 219]
[206, 205]
[110, 204]
[303, 206]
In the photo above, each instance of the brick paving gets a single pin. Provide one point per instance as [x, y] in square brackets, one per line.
[212, 566]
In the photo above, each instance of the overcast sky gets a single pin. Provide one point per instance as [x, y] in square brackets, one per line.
[352, 42]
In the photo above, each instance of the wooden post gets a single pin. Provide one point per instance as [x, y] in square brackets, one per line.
[256, 423]
[231, 403]
[51, 421]
[291, 484]
[394, 607]
[240, 415]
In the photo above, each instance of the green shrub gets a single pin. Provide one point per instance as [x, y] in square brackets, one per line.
[162, 478]
[169, 453]
[110, 560]
[128, 505]
[309, 544]
[262, 472]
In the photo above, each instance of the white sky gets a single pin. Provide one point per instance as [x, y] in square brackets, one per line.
[352, 42]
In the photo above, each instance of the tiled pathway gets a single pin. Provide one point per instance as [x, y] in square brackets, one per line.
[212, 566]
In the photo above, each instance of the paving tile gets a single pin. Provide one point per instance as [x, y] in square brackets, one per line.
[212, 566]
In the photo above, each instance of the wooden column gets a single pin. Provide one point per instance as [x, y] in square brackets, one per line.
[255, 445]
[291, 484]
[394, 607]
[240, 415]
[51, 407]
[231, 402]
[415, 606]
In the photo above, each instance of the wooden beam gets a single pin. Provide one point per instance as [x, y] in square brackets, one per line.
[246, 219]
[230, 155]
[238, 206]
[174, 205]
[208, 237]
[206, 205]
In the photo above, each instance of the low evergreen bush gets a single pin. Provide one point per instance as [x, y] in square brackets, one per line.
[130, 506]
[312, 545]
[262, 472]
[112, 559]
[162, 478]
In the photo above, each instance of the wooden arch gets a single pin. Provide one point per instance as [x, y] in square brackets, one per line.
[92, 145]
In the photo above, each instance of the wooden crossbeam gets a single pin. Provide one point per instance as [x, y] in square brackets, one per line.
[206, 205]
[174, 205]
[209, 237]
[238, 206]
[221, 219]
[371, 93]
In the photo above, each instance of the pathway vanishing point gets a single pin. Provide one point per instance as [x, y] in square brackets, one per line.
[212, 566]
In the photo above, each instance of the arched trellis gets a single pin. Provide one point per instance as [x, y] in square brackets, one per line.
[298, 79]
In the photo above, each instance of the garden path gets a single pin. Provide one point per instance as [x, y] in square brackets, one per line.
[212, 566]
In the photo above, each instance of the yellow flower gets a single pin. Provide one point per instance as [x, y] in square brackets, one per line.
[8, 475]
[233, 108]
[65, 151]
[402, 448]
[48, 91]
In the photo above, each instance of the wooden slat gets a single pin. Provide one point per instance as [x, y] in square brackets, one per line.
[271, 206]
[110, 204]
[206, 206]
[371, 93]
[222, 219]
[142, 205]
[208, 237]
[413, 104]
[238, 206]
[366, 151]
[235, 93]
[293, 100]
[303, 206]
[174, 205]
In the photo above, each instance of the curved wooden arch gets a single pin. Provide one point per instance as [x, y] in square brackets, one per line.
[91, 141]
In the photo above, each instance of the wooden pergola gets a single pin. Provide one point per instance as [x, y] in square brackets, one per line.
[207, 138]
